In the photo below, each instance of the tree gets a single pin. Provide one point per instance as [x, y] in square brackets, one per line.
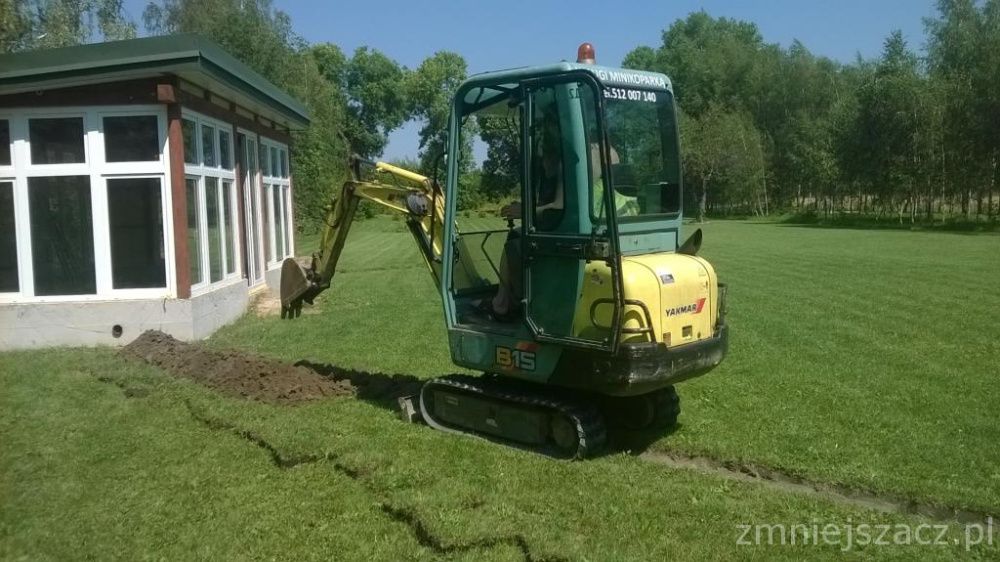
[251, 30]
[373, 94]
[964, 56]
[430, 89]
[723, 155]
[37, 24]
[887, 123]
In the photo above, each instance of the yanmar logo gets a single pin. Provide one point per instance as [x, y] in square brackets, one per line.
[693, 308]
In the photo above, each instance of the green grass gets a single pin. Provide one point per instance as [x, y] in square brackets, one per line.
[864, 358]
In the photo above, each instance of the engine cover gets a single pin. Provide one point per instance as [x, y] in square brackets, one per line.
[670, 298]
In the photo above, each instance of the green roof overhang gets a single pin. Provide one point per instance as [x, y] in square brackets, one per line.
[189, 56]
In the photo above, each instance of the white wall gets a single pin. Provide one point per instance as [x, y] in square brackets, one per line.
[37, 325]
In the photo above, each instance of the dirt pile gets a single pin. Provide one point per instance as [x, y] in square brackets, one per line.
[235, 373]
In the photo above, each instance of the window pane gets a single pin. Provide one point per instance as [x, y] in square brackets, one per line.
[214, 229]
[265, 161]
[56, 141]
[227, 209]
[131, 139]
[135, 214]
[289, 250]
[254, 240]
[225, 152]
[251, 157]
[194, 231]
[284, 163]
[4, 143]
[279, 223]
[274, 162]
[190, 141]
[208, 145]
[8, 240]
[62, 235]
[265, 196]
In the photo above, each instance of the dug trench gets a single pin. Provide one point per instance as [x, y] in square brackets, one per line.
[253, 377]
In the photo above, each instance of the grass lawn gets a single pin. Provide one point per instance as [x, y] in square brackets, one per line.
[861, 358]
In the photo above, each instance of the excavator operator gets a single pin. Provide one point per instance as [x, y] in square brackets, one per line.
[505, 305]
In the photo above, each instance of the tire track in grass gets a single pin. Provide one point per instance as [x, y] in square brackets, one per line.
[752, 473]
[408, 517]
[789, 483]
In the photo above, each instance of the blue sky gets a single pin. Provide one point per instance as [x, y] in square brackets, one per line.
[507, 33]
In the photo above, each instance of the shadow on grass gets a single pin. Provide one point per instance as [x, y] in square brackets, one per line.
[384, 391]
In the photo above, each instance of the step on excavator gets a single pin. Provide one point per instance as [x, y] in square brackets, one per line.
[606, 309]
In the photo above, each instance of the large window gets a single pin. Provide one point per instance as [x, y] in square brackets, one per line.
[247, 149]
[213, 248]
[193, 229]
[135, 215]
[83, 203]
[279, 239]
[62, 235]
[9, 282]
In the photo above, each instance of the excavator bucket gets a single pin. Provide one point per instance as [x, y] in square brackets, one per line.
[294, 285]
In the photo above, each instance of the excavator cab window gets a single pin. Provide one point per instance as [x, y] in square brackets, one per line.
[490, 126]
[642, 132]
[548, 189]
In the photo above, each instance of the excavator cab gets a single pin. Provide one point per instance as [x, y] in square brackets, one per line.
[596, 163]
[608, 309]
[555, 169]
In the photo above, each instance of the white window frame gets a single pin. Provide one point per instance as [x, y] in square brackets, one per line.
[283, 183]
[256, 207]
[222, 175]
[9, 175]
[98, 171]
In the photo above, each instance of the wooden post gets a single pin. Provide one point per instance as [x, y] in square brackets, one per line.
[239, 171]
[175, 140]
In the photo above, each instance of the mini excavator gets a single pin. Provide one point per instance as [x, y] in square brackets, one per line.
[611, 309]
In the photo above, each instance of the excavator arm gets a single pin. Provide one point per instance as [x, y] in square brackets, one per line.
[417, 197]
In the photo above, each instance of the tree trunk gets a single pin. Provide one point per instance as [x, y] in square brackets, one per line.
[704, 198]
[993, 183]
[764, 189]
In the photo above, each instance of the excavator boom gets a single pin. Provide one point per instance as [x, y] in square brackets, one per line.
[417, 197]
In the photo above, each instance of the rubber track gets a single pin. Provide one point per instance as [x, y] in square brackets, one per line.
[591, 432]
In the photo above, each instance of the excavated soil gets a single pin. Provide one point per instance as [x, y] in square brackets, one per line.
[236, 373]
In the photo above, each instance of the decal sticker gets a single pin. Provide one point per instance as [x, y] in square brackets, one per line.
[693, 308]
[630, 95]
[626, 78]
[665, 276]
[522, 359]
